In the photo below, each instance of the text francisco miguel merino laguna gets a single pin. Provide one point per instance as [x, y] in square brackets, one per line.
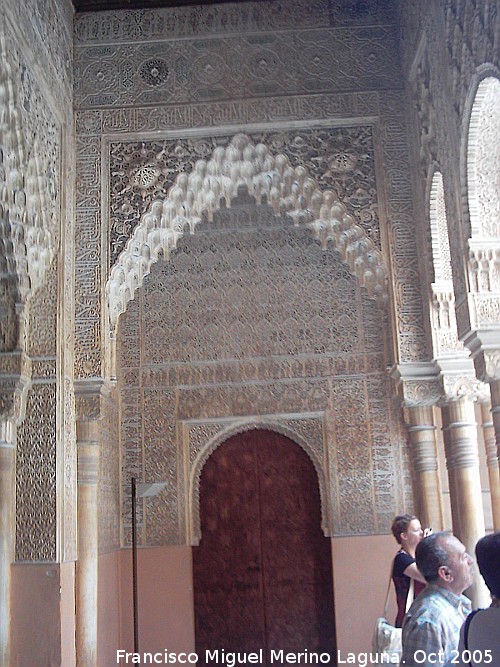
[233, 658]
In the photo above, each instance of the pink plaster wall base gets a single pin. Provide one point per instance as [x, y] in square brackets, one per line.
[68, 620]
[165, 592]
[36, 619]
[361, 567]
[108, 608]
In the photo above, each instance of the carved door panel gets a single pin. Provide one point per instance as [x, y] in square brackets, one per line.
[262, 572]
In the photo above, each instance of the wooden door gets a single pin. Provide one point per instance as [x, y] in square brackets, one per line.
[263, 569]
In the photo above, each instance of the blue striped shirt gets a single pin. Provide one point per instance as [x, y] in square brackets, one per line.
[432, 627]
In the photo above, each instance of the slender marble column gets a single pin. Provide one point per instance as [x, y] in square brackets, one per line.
[86, 566]
[495, 411]
[7, 468]
[492, 462]
[422, 432]
[462, 460]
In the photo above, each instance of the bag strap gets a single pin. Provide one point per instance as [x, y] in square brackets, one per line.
[466, 629]
[386, 605]
[409, 597]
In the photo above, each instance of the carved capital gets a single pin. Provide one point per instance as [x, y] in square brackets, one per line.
[15, 381]
[418, 383]
[88, 394]
[462, 387]
[485, 349]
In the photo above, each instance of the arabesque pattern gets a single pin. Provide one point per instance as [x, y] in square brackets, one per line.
[232, 171]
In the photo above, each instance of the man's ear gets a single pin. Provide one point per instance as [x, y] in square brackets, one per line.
[445, 574]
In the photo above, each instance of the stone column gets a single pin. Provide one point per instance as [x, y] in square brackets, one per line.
[86, 567]
[7, 531]
[462, 460]
[422, 433]
[495, 410]
[491, 461]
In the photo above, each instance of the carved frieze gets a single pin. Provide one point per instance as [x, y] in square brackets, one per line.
[412, 341]
[144, 26]
[237, 66]
[270, 110]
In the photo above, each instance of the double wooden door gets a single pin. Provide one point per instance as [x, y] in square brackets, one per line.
[263, 569]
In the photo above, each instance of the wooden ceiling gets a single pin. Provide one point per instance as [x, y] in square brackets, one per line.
[102, 5]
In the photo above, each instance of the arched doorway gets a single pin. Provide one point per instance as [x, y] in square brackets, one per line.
[263, 570]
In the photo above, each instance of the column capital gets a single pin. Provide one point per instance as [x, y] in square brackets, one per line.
[88, 393]
[417, 383]
[484, 346]
[15, 381]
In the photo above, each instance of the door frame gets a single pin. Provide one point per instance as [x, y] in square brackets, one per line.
[197, 450]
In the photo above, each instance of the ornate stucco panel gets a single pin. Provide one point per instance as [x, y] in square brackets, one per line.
[235, 66]
[36, 518]
[251, 322]
[35, 148]
[338, 158]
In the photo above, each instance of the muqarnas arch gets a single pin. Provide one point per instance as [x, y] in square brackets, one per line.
[269, 179]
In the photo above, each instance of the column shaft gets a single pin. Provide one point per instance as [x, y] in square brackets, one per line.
[462, 460]
[495, 411]
[492, 462]
[422, 433]
[87, 563]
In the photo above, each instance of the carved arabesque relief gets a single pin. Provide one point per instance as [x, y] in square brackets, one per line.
[242, 167]
[36, 516]
[250, 320]
[483, 161]
[338, 158]
[194, 67]
[448, 47]
[30, 159]
[483, 173]
[444, 325]
[147, 94]
[411, 341]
